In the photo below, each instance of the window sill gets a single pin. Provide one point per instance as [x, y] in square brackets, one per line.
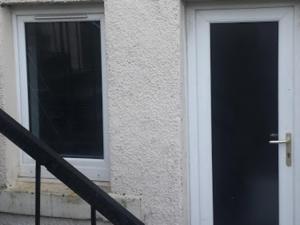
[18, 2]
[56, 201]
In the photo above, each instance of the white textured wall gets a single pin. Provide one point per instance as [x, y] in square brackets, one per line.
[8, 154]
[146, 107]
[145, 86]
[2, 140]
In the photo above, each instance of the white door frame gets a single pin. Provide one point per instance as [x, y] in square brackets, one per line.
[199, 105]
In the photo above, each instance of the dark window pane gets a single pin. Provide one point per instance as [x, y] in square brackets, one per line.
[64, 84]
[244, 88]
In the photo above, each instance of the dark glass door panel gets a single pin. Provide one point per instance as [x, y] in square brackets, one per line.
[244, 88]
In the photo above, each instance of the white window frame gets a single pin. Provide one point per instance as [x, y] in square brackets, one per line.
[95, 169]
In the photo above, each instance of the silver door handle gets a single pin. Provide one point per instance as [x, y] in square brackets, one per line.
[279, 141]
[288, 142]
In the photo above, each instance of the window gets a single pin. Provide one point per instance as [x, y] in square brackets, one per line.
[62, 87]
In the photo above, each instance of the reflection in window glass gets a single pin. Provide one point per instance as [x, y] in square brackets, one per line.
[64, 85]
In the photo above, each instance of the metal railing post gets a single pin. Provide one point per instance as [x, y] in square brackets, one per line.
[37, 193]
[93, 216]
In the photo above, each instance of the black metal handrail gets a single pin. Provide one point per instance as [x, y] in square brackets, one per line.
[65, 172]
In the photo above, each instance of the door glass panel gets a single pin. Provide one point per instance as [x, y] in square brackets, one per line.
[244, 89]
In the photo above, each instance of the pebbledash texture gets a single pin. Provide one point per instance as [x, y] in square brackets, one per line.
[146, 111]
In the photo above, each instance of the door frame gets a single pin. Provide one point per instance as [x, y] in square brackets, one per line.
[199, 107]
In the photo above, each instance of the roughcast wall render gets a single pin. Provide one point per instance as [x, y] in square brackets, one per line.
[145, 104]
[145, 86]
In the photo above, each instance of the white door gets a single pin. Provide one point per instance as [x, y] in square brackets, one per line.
[240, 91]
